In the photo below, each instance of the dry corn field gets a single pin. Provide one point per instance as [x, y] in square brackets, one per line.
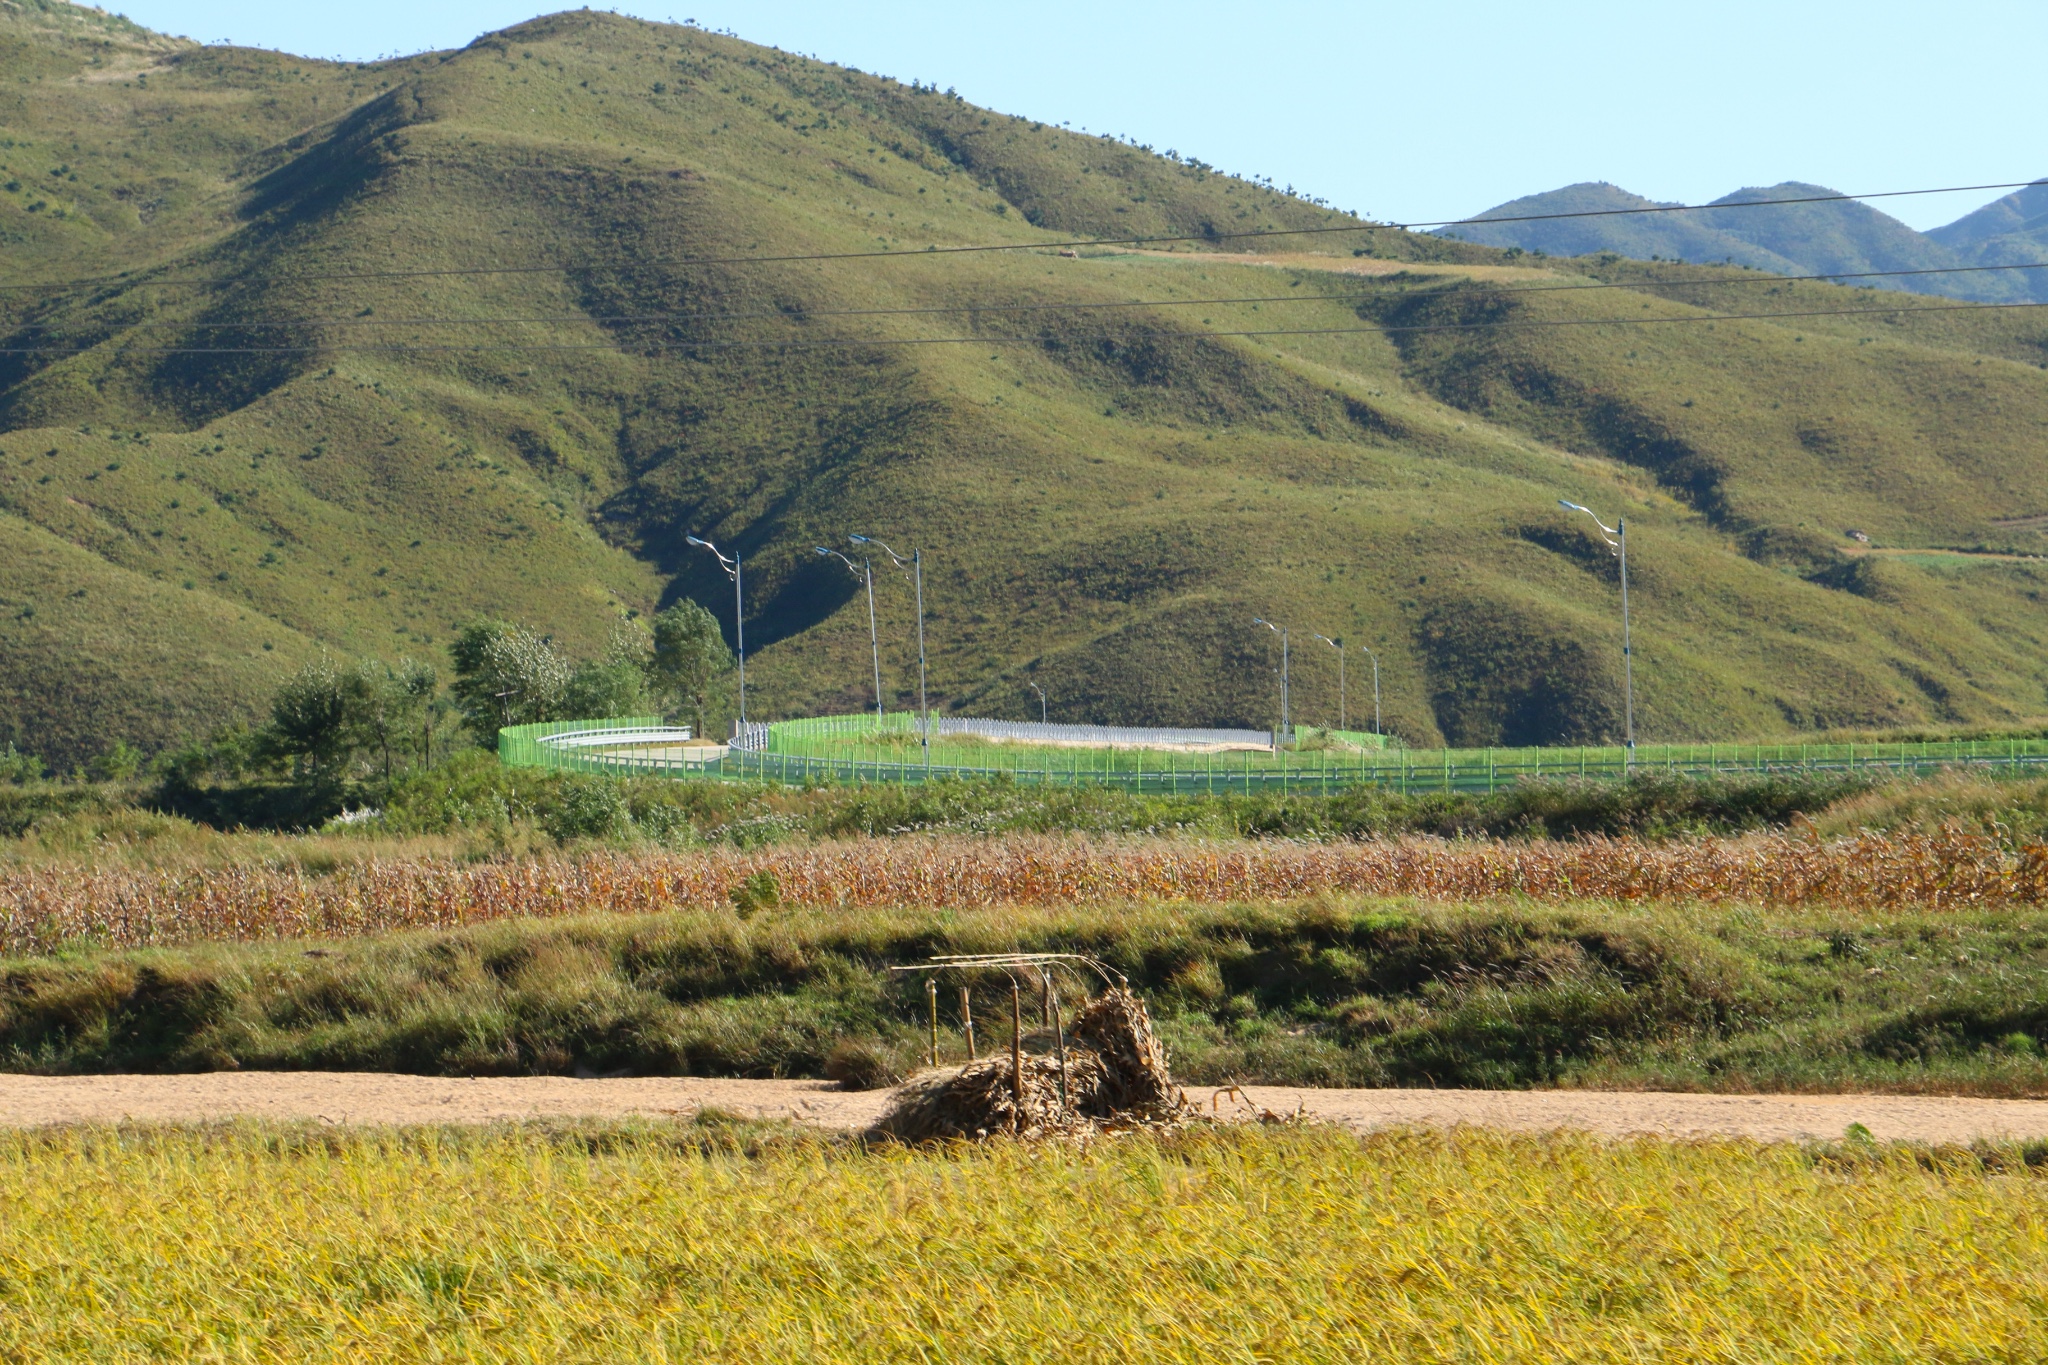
[242, 1244]
[45, 908]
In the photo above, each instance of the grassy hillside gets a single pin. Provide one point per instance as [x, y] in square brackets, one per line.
[267, 421]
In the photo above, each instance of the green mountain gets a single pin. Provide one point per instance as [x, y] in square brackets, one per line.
[304, 355]
[1797, 239]
[2008, 231]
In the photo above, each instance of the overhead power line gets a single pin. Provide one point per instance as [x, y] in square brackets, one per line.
[1029, 340]
[1214, 235]
[1717, 207]
[1296, 296]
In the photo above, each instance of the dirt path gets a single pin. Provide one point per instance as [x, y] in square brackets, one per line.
[1904, 551]
[357, 1098]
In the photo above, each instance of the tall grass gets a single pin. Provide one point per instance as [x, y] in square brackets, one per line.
[657, 1244]
[1324, 991]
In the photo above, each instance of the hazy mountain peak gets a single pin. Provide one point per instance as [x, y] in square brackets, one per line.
[1798, 238]
[2024, 210]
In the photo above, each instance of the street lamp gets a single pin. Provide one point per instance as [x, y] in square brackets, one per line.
[916, 563]
[1616, 537]
[1041, 699]
[1375, 688]
[731, 565]
[1343, 717]
[866, 571]
[1280, 631]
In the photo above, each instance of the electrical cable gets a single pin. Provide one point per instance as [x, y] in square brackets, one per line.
[822, 342]
[1069, 244]
[799, 315]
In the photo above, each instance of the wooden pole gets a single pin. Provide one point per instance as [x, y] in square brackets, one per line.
[967, 1022]
[1059, 1036]
[1016, 1057]
[931, 991]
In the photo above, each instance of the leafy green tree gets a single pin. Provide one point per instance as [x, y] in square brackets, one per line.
[507, 675]
[326, 717]
[689, 659]
[232, 752]
[316, 718]
[18, 767]
[117, 764]
[391, 705]
[616, 685]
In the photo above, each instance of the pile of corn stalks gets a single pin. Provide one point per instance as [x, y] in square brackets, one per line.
[1113, 1077]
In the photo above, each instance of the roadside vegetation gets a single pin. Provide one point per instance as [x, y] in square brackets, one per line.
[469, 807]
[1327, 989]
[725, 1242]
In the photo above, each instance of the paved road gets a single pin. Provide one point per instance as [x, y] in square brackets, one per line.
[361, 1098]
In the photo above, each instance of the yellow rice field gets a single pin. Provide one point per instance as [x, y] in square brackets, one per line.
[628, 1245]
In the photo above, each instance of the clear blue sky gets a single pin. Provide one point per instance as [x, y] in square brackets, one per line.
[1404, 110]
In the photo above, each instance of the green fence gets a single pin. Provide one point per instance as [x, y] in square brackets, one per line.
[856, 749]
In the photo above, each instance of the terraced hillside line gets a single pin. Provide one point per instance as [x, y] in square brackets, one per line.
[44, 909]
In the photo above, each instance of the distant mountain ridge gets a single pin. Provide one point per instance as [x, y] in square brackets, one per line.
[1797, 239]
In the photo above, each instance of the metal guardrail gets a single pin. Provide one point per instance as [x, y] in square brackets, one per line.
[611, 737]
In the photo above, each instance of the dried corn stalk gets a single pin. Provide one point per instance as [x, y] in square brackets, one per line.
[42, 908]
[1116, 1078]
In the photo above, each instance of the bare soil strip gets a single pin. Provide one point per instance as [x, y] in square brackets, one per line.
[366, 1099]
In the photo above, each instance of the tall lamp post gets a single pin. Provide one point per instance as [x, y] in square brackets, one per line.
[1367, 650]
[916, 563]
[731, 565]
[866, 570]
[1616, 537]
[1041, 700]
[1280, 631]
[1343, 717]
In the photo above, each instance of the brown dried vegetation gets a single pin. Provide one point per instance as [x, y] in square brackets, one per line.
[42, 909]
[1113, 1077]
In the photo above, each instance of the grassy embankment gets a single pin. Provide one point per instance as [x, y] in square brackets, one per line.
[713, 1243]
[1332, 990]
[473, 808]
